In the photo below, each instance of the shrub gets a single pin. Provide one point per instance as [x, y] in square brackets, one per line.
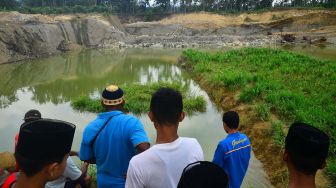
[138, 97]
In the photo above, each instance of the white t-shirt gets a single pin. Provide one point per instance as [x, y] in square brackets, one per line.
[71, 172]
[161, 166]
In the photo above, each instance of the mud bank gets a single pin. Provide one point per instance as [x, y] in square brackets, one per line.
[261, 131]
[25, 36]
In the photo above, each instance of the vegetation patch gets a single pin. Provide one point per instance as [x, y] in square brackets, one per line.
[263, 112]
[277, 17]
[294, 87]
[138, 96]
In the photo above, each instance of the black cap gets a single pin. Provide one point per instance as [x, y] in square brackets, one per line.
[45, 139]
[203, 174]
[306, 140]
[112, 95]
[32, 115]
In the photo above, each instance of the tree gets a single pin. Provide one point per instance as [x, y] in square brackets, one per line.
[163, 4]
[8, 4]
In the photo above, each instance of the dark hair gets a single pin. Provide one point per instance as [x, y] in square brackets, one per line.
[166, 105]
[203, 174]
[231, 119]
[32, 115]
[307, 147]
[32, 167]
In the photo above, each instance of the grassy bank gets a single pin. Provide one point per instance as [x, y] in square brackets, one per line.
[138, 97]
[280, 84]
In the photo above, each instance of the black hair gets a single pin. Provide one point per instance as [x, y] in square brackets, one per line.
[203, 174]
[307, 147]
[166, 105]
[231, 119]
[32, 115]
[32, 167]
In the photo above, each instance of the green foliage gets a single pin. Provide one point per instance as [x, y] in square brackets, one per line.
[276, 17]
[138, 97]
[92, 172]
[263, 112]
[66, 10]
[331, 170]
[8, 4]
[85, 103]
[140, 7]
[278, 133]
[248, 19]
[295, 87]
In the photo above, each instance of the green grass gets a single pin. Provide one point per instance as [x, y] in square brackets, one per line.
[278, 133]
[263, 112]
[92, 172]
[138, 97]
[294, 87]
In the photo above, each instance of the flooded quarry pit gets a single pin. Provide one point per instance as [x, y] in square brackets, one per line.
[50, 84]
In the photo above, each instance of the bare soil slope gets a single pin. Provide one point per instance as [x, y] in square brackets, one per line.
[25, 36]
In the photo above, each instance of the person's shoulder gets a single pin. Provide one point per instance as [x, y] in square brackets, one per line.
[244, 136]
[189, 141]
[129, 117]
[225, 142]
[142, 157]
[70, 161]
[93, 123]
[130, 120]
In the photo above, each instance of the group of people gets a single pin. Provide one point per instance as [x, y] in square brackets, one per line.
[118, 144]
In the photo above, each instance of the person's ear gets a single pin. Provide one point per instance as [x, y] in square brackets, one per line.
[226, 128]
[324, 164]
[52, 171]
[151, 116]
[182, 116]
[285, 156]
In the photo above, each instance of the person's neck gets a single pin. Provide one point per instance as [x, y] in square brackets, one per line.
[29, 182]
[166, 133]
[232, 131]
[298, 179]
[113, 109]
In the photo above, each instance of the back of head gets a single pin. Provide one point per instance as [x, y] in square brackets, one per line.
[166, 105]
[32, 115]
[42, 142]
[307, 147]
[203, 174]
[231, 119]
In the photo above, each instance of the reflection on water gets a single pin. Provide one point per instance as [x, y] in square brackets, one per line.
[321, 51]
[49, 84]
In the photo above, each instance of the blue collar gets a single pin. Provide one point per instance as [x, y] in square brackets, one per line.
[233, 134]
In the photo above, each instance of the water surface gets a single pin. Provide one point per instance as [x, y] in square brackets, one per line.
[49, 84]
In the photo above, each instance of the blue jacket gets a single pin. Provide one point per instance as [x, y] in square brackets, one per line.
[233, 155]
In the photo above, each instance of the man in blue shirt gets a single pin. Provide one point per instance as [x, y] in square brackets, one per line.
[234, 152]
[112, 139]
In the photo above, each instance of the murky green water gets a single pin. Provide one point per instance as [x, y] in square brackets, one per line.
[48, 84]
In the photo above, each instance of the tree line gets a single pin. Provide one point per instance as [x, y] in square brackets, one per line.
[132, 7]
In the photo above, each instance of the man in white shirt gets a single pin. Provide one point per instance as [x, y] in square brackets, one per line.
[72, 176]
[161, 166]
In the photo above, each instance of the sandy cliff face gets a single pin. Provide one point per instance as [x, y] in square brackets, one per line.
[28, 36]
